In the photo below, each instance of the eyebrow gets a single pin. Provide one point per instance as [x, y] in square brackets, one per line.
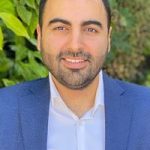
[92, 22]
[59, 20]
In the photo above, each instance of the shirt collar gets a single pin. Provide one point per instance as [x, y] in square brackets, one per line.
[100, 91]
[53, 90]
[56, 98]
[99, 99]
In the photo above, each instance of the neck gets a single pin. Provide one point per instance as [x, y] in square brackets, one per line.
[79, 101]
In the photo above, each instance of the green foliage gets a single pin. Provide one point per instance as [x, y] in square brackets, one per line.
[130, 40]
[20, 61]
[130, 52]
[1, 39]
[12, 22]
[147, 82]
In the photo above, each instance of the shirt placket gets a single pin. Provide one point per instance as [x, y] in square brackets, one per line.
[80, 134]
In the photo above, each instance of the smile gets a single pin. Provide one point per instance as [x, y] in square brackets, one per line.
[74, 60]
[74, 63]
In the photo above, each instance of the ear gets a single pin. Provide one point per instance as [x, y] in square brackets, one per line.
[109, 39]
[39, 33]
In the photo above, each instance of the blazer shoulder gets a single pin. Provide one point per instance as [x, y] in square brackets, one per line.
[135, 90]
[21, 86]
[10, 94]
[129, 89]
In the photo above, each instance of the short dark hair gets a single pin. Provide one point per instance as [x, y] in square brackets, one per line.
[43, 3]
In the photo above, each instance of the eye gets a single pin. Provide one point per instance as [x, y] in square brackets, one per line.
[60, 28]
[92, 30]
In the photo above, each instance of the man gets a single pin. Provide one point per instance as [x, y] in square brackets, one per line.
[78, 107]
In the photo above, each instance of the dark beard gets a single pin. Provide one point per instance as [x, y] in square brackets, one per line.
[74, 78]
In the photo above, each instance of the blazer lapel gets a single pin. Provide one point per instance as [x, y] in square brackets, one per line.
[118, 115]
[34, 108]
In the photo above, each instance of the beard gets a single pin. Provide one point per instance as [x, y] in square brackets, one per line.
[75, 79]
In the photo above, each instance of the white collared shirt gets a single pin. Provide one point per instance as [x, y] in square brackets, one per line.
[68, 132]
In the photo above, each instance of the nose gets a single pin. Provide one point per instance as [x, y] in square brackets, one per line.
[75, 41]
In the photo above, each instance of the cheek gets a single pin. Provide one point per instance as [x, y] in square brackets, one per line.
[53, 44]
[98, 46]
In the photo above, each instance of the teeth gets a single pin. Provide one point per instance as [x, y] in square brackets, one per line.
[73, 60]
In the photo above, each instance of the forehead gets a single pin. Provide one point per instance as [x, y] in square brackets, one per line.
[75, 10]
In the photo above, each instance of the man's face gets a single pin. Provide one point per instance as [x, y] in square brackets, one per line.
[74, 40]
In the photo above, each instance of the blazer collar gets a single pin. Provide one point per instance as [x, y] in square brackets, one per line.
[118, 115]
[34, 106]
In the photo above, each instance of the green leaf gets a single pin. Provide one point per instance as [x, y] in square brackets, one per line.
[123, 21]
[7, 6]
[14, 24]
[37, 69]
[21, 52]
[34, 22]
[8, 82]
[31, 3]
[5, 63]
[147, 48]
[147, 82]
[33, 41]
[1, 39]
[38, 2]
[24, 14]
[37, 54]
[113, 3]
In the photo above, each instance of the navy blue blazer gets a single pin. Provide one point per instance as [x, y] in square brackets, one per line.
[24, 116]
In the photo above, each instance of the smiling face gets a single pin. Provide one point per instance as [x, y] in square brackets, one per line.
[74, 40]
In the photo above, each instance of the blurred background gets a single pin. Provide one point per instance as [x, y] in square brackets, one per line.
[128, 60]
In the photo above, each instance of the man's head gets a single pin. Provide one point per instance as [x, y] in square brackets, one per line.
[74, 40]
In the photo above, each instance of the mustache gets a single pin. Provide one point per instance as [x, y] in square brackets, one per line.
[81, 53]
